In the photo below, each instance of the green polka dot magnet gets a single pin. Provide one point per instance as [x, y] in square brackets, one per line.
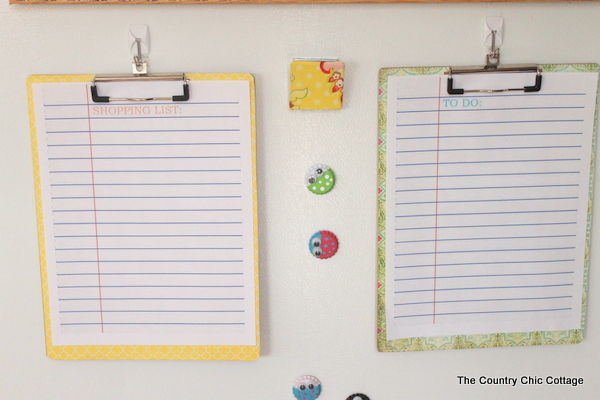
[320, 179]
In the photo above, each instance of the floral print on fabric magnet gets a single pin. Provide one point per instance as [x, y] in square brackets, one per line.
[316, 85]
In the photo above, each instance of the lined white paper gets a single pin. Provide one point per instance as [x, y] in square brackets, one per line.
[148, 215]
[487, 204]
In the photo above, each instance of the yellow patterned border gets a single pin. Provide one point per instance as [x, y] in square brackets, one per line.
[140, 352]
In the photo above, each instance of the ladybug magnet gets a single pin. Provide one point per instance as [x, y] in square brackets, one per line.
[323, 244]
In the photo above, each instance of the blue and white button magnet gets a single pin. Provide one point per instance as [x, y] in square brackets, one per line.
[307, 388]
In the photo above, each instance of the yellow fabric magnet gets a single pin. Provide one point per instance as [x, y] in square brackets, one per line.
[316, 85]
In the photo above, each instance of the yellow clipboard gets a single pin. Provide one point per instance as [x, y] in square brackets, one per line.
[156, 345]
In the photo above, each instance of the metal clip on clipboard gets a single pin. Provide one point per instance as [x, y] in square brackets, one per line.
[493, 30]
[139, 43]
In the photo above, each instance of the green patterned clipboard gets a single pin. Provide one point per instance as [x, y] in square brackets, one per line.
[464, 341]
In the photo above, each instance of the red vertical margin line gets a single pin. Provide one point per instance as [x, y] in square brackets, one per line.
[437, 180]
[87, 90]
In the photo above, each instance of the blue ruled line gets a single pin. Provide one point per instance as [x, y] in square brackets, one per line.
[484, 288]
[152, 323]
[147, 286]
[477, 276]
[490, 109]
[146, 197]
[151, 311]
[481, 201]
[477, 175]
[490, 122]
[483, 251]
[484, 312]
[140, 104]
[128, 117]
[146, 131]
[146, 184]
[140, 144]
[487, 187]
[140, 236]
[145, 171]
[485, 226]
[152, 298]
[485, 263]
[484, 213]
[480, 136]
[488, 162]
[149, 273]
[147, 261]
[490, 148]
[145, 223]
[479, 300]
[494, 95]
[138, 158]
[483, 238]
[152, 248]
[159, 210]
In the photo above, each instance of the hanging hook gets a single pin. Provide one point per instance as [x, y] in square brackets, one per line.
[139, 64]
[493, 36]
[139, 45]
[492, 59]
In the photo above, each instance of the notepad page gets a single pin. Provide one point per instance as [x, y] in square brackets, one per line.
[148, 216]
[487, 205]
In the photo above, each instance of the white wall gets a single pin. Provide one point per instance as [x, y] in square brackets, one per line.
[318, 317]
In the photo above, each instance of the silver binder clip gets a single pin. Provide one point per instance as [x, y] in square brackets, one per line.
[493, 35]
[139, 43]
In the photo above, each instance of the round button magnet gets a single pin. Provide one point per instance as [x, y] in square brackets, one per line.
[319, 179]
[307, 388]
[323, 244]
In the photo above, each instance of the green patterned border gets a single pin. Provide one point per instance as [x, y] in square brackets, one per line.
[511, 339]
